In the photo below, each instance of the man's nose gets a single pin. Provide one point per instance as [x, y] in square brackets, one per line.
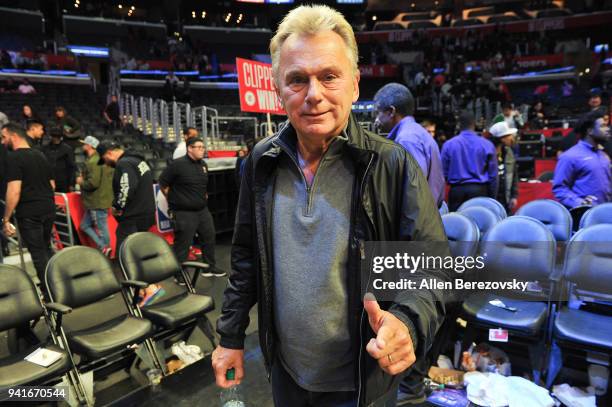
[314, 94]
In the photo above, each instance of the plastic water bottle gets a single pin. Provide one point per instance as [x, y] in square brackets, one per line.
[231, 397]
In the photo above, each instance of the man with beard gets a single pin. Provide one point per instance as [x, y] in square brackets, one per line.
[30, 193]
[582, 176]
[133, 203]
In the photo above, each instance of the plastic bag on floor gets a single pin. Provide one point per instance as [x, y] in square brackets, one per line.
[188, 354]
[571, 396]
[495, 390]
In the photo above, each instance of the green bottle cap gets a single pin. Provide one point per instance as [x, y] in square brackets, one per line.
[230, 374]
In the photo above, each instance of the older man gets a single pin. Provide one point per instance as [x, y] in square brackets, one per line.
[310, 196]
[395, 115]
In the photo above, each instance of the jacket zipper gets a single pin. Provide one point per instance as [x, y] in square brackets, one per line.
[362, 254]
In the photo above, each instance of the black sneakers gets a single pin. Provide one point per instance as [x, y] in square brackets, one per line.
[213, 272]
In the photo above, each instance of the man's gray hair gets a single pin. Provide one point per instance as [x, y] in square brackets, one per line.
[311, 20]
[396, 95]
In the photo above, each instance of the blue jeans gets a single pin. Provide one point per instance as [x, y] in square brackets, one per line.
[94, 224]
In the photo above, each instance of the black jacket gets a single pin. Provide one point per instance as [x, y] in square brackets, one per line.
[133, 188]
[391, 202]
[61, 158]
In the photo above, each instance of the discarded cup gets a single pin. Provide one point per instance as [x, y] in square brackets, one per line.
[154, 376]
[598, 378]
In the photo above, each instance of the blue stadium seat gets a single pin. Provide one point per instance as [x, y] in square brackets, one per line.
[488, 203]
[597, 215]
[508, 254]
[551, 213]
[588, 265]
[443, 208]
[463, 234]
[484, 218]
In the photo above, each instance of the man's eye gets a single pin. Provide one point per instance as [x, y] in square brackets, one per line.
[330, 77]
[297, 80]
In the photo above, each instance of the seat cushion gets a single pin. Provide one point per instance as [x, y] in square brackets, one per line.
[528, 319]
[15, 371]
[584, 327]
[176, 310]
[109, 336]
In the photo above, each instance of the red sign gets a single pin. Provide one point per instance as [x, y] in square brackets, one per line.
[256, 87]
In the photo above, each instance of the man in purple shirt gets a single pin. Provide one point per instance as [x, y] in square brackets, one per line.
[469, 162]
[395, 109]
[582, 175]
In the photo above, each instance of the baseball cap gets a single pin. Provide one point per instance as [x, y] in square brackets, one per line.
[594, 92]
[501, 129]
[103, 147]
[91, 140]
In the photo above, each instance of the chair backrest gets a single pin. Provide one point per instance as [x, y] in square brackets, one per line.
[19, 301]
[443, 208]
[463, 234]
[551, 213]
[588, 259]
[597, 215]
[485, 202]
[79, 275]
[520, 247]
[147, 257]
[484, 218]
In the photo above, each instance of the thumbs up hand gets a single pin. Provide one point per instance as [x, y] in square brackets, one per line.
[392, 346]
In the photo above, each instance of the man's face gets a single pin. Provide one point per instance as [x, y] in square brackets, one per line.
[111, 157]
[431, 129]
[36, 131]
[114, 99]
[59, 114]
[190, 134]
[7, 139]
[316, 84]
[595, 101]
[196, 151]
[507, 111]
[508, 140]
[384, 119]
[601, 130]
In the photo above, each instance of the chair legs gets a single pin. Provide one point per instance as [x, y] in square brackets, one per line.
[206, 327]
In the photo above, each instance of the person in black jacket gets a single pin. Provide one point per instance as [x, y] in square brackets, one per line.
[133, 204]
[69, 126]
[310, 197]
[61, 158]
[184, 182]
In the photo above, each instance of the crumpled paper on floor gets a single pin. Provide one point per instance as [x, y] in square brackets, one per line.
[571, 396]
[495, 390]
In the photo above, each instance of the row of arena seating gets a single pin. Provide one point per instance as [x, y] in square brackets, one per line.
[470, 17]
[79, 278]
[487, 212]
[523, 248]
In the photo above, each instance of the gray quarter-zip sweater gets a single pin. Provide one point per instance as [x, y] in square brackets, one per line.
[310, 227]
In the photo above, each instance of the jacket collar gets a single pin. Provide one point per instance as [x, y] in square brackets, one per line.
[356, 144]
